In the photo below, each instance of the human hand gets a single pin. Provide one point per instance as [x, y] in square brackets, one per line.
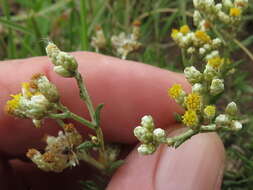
[129, 90]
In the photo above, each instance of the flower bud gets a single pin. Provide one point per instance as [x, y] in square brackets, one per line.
[37, 123]
[217, 86]
[236, 125]
[147, 122]
[143, 134]
[159, 135]
[222, 119]
[46, 88]
[198, 88]
[231, 109]
[146, 149]
[192, 75]
[209, 72]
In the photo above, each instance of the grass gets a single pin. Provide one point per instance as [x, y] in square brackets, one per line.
[24, 24]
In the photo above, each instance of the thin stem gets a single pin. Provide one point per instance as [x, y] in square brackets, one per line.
[180, 139]
[244, 48]
[89, 159]
[84, 95]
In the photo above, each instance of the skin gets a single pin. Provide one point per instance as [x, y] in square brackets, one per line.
[129, 91]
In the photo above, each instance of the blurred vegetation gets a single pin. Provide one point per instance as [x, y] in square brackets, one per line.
[25, 25]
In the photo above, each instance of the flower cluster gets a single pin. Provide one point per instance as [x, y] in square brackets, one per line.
[60, 152]
[196, 42]
[98, 41]
[64, 63]
[228, 12]
[126, 43]
[200, 112]
[35, 100]
[149, 136]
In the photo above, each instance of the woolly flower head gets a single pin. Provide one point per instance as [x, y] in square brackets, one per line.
[193, 101]
[190, 118]
[175, 91]
[216, 62]
[202, 36]
[235, 12]
[210, 111]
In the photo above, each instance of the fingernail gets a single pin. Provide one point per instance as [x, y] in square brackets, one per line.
[195, 165]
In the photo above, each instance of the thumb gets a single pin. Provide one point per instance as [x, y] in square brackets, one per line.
[196, 165]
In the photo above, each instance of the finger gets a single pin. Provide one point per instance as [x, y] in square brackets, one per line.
[128, 89]
[196, 165]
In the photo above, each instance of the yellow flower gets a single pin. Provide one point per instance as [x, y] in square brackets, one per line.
[193, 101]
[26, 89]
[184, 29]
[204, 37]
[13, 104]
[175, 91]
[216, 62]
[235, 12]
[174, 33]
[210, 111]
[190, 118]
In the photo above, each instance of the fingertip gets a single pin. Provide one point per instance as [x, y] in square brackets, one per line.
[196, 165]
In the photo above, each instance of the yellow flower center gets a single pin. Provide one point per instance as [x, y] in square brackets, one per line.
[235, 12]
[216, 62]
[204, 37]
[210, 111]
[190, 118]
[175, 91]
[13, 104]
[174, 33]
[184, 29]
[26, 89]
[193, 101]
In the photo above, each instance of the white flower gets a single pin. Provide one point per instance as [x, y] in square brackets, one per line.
[217, 86]
[198, 88]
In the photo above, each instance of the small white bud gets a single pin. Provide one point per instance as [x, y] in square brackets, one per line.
[217, 86]
[222, 119]
[209, 72]
[216, 42]
[146, 149]
[147, 122]
[227, 3]
[143, 134]
[159, 135]
[218, 6]
[231, 109]
[202, 51]
[198, 88]
[190, 50]
[192, 74]
[236, 125]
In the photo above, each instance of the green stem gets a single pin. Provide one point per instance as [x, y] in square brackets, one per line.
[89, 159]
[84, 95]
[180, 139]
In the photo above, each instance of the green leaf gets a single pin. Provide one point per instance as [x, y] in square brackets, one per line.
[86, 145]
[97, 113]
[15, 26]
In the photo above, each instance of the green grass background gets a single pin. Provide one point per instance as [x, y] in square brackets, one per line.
[25, 26]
